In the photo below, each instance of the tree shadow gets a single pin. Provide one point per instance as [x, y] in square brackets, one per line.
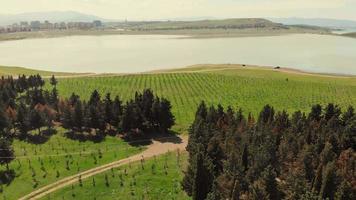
[144, 139]
[39, 138]
[85, 136]
[7, 176]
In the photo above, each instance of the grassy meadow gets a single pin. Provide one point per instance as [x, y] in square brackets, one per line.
[249, 88]
[157, 179]
[37, 165]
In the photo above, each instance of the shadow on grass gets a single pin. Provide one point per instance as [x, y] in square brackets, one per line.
[39, 138]
[85, 136]
[7, 176]
[147, 138]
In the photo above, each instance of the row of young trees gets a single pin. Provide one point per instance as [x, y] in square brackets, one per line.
[26, 106]
[277, 156]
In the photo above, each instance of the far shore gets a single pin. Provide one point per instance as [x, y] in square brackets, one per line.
[197, 33]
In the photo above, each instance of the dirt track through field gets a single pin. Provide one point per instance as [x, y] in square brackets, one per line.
[158, 147]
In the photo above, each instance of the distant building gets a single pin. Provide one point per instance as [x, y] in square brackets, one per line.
[24, 24]
[35, 25]
[97, 23]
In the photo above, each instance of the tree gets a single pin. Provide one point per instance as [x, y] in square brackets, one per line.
[6, 152]
[202, 178]
[53, 81]
[315, 113]
[328, 186]
[108, 110]
[269, 180]
[78, 116]
[166, 118]
[117, 110]
[22, 123]
[95, 118]
[267, 115]
[94, 98]
[4, 123]
[36, 120]
[345, 191]
[66, 119]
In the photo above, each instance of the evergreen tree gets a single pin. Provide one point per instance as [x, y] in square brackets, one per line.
[66, 119]
[166, 118]
[6, 152]
[53, 81]
[328, 186]
[108, 110]
[37, 120]
[22, 123]
[4, 123]
[117, 111]
[78, 116]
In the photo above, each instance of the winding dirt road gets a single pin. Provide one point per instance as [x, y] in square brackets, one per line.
[158, 147]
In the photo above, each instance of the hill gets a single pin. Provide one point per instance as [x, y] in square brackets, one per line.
[225, 24]
[241, 23]
[14, 71]
[350, 35]
[323, 22]
[54, 16]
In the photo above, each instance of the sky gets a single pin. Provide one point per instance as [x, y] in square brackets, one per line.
[170, 9]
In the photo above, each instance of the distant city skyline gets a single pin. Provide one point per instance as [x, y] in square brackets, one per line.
[170, 9]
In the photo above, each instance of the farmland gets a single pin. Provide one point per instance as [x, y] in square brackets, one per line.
[247, 87]
[156, 178]
[37, 165]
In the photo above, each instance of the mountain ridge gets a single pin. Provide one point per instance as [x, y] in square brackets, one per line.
[52, 16]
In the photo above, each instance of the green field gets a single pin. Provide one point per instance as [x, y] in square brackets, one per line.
[57, 158]
[249, 88]
[157, 179]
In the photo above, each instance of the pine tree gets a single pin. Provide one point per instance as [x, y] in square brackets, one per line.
[4, 123]
[166, 118]
[53, 81]
[66, 119]
[36, 120]
[6, 153]
[328, 186]
[108, 110]
[22, 121]
[78, 116]
[117, 111]
[94, 98]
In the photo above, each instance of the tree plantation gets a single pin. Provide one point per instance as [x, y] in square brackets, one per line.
[32, 114]
[276, 156]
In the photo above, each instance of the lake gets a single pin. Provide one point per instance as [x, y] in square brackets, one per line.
[137, 53]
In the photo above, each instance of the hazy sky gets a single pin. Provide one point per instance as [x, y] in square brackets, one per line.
[164, 9]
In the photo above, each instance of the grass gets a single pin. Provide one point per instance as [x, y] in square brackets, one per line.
[156, 178]
[49, 161]
[248, 88]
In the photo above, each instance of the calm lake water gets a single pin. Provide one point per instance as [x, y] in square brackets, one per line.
[129, 53]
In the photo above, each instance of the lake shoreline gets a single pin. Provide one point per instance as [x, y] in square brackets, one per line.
[198, 68]
[185, 34]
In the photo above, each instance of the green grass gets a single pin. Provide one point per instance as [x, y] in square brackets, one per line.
[248, 88]
[15, 71]
[54, 155]
[150, 180]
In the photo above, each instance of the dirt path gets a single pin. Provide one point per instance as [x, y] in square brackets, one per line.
[158, 147]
